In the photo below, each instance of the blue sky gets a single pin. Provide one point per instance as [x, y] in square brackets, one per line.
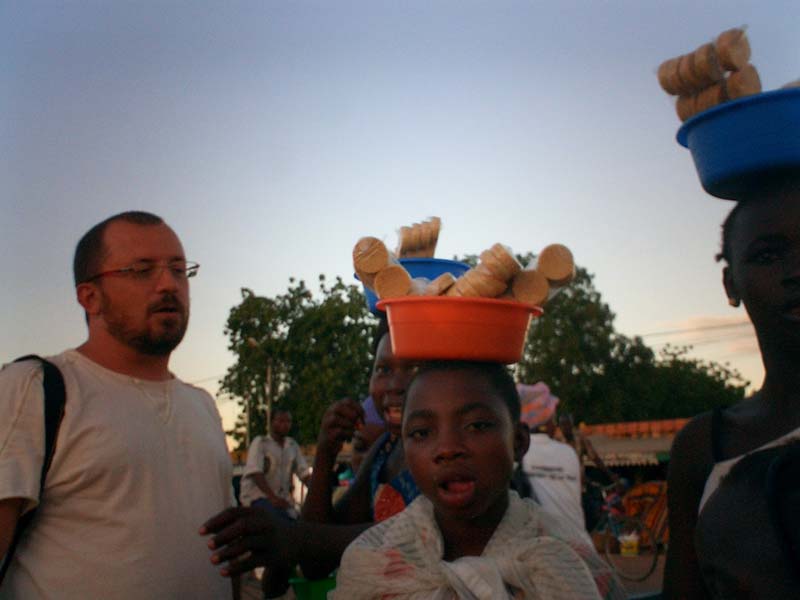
[272, 136]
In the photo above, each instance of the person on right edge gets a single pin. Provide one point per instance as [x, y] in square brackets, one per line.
[734, 477]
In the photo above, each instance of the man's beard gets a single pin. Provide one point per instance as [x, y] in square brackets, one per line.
[143, 340]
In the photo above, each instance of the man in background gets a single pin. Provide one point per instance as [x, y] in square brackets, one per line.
[272, 460]
[267, 482]
[552, 467]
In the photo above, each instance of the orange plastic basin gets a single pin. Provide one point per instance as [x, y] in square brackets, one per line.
[455, 328]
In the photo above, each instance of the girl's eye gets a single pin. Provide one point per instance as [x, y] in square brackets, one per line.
[383, 370]
[480, 426]
[418, 434]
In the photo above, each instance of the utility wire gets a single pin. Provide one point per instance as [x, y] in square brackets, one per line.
[694, 329]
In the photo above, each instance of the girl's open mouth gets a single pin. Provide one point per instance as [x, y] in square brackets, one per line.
[457, 492]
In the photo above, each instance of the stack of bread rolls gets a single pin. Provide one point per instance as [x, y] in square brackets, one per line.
[419, 240]
[379, 270]
[498, 274]
[714, 73]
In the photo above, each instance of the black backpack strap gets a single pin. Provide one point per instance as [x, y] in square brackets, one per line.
[54, 399]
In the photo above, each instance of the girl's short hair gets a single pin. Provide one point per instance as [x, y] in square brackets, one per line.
[498, 377]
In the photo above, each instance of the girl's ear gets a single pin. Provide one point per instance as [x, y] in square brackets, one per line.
[730, 287]
[522, 440]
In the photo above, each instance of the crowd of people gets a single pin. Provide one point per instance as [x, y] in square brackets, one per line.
[130, 483]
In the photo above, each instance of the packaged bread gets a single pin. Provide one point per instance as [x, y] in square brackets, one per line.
[733, 49]
[370, 256]
[685, 106]
[707, 69]
[440, 285]
[530, 286]
[419, 240]
[392, 281]
[669, 77]
[744, 82]
[500, 262]
[556, 263]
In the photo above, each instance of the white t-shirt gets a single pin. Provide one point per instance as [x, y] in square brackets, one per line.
[277, 462]
[138, 467]
[554, 471]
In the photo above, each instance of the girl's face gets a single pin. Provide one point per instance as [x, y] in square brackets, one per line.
[460, 446]
[765, 268]
[388, 384]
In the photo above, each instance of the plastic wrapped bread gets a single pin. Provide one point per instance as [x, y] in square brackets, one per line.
[744, 82]
[530, 286]
[370, 255]
[733, 49]
[391, 282]
[556, 263]
[440, 285]
[419, 240]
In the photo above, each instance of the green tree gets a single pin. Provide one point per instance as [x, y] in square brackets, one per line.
[601, 375]
[309, 349]
[300, 351]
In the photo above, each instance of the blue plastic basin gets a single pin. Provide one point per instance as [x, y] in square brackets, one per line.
[430, 268]
[736, 143]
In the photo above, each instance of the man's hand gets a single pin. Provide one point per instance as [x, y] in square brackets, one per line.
[246, 538]
[338, 425]
[280, 503]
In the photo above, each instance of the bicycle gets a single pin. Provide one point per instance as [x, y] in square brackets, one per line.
[629, 545]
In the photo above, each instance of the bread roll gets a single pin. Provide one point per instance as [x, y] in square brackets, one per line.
[707, 70]
[669, 78]
[501, 262]
[530, 286]
[711, 96]
[440, 285]
[391, 282]
[691, 83]
[486, 285]
[368, 279]
[733, 49]
[685, 107]
[745, 82]
[555, 262]
[370, 255]
[483, 268]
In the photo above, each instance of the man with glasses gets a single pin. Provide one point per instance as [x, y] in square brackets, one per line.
[140, 457]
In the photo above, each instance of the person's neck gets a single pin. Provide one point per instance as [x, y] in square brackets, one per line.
[469, 537]
[781, 387]
[123, 359]
[280, 439]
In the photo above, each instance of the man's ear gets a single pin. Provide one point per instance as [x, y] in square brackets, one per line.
[89, 298]
[522, 440]
[730, 287]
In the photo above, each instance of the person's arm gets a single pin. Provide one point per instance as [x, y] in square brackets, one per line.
[338, 425]
[689, 465]
[246, 538]
[10, 510]
[595, 458]
[261, 481]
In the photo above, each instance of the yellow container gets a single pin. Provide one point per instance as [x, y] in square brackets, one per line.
[629, 545]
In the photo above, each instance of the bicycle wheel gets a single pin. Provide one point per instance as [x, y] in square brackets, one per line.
[630, 548]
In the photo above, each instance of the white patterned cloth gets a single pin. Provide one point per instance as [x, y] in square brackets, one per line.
[532, 555]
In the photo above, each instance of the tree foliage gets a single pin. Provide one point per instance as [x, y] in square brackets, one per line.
[305, 350]
[601, 375]
[312, 349]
